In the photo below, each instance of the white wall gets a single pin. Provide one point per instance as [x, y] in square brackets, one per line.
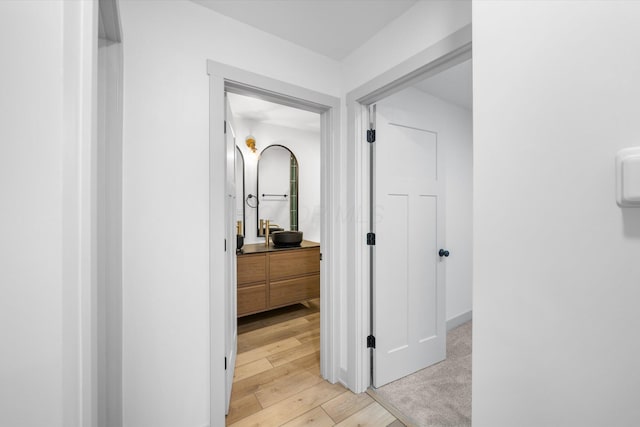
[31, 288]
[424, 24]
[165, 194]
[454, 127]
[556, 271]
[305, 146]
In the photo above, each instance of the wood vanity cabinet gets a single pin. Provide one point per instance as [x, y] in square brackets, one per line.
[276, 278]
[252, 283]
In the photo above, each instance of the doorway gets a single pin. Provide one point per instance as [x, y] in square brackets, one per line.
[398, 86]
[227, 79]
[432, 261]
[277, 172]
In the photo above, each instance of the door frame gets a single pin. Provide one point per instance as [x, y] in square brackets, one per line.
[79, 234]
[452, 50]
[225, 78]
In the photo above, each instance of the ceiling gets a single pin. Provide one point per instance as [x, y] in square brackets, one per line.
[247, 108]
[329, 27]
[333, 28]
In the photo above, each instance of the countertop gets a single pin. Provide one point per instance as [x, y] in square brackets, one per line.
[256, 248]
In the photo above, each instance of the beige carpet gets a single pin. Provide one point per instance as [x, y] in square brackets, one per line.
[440, 395]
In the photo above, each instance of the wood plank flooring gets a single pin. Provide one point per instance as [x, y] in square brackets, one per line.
[277, 378]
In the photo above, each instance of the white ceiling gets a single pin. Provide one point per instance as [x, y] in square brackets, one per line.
[245, 107]
[333, 28]
[453, 85]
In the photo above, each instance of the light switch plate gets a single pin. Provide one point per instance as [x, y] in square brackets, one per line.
[628, 178]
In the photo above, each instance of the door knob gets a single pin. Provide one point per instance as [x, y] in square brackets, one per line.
[443, 253]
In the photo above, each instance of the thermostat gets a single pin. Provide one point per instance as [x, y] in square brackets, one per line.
[628, 178]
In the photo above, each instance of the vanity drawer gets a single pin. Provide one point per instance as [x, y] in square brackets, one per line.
[292, 263]
[252, 299]
[294, 290]
[251, 269]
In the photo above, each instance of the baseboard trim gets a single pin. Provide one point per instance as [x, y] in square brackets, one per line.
[342, 377]
[458, 320]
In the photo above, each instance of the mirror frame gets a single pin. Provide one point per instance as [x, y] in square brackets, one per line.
[244, 194]
[258, 231]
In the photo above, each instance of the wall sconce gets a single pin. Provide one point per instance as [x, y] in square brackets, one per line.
[251, 143]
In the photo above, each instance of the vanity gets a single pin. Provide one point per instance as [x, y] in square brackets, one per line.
[288, 272]
[271, 277]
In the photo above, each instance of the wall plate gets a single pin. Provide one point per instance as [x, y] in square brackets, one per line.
[628, 177]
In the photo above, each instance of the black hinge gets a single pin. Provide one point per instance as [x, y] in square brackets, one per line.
[371, 239]
[225, 127]
[225, 245]
[225, 363]
[320, 256]
[371, 341]
[371, 135]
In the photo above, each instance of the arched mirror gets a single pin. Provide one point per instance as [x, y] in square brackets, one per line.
[277, 189]
[240, 190]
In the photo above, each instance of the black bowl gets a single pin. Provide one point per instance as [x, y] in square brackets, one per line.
[286, 239]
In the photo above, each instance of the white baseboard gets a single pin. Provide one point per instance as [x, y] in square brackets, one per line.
[458, 320]
[342, 378]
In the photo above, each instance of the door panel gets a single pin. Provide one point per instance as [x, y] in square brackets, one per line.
[392, 250]
[408, 292]
[426, 210]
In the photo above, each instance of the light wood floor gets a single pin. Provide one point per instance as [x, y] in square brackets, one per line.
[277, 377]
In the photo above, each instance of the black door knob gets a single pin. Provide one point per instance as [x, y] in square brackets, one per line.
[443, 253]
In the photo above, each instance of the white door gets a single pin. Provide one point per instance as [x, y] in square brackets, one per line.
[231, 339]
[408, 274]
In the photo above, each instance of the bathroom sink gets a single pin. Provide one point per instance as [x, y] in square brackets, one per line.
[286, 239]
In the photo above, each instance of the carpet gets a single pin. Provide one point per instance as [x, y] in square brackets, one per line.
[440, 395]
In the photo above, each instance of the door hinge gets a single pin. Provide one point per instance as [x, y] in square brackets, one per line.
[225, 127]
[371, 239]
[225, 245]
[320, 256]
[371, 135]
[225, 363]
[371, 341]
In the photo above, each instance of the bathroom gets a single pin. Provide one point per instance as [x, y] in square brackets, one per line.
[273, 128]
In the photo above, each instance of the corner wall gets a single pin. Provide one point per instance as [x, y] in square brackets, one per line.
[556, 271]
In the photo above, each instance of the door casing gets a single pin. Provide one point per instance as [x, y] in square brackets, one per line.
[224, 78]
[450, 51]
